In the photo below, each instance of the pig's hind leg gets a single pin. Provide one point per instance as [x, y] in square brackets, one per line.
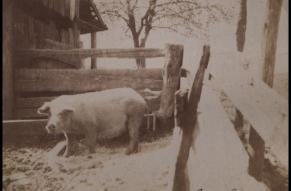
[90, 140]
[133, 125]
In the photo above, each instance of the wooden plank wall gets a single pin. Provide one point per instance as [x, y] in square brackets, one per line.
[35, 86]
[65, 8]
[29, 32]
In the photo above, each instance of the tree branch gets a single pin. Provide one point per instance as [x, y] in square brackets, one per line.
[147, 19]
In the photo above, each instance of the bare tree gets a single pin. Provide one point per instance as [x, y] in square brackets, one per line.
[142, 16]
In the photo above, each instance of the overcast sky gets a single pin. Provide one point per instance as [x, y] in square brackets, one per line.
[222, 35]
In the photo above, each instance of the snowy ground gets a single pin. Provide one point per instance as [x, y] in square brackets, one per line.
[108, 169]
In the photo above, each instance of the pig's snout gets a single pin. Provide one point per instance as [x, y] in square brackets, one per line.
[51, 128]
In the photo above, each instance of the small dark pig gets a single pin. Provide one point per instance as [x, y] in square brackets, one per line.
[103, 114]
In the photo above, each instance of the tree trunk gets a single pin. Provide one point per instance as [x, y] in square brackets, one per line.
[140, 62]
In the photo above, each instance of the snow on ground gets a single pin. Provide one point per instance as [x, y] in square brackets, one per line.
[108, 169]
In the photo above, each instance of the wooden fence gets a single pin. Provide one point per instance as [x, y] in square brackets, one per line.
[35, 86]
[266, 145]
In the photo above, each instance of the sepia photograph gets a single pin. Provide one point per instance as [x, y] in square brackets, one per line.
[145, 95]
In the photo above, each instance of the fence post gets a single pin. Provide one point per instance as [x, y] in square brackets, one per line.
[186, 119]
[171, 79]
[270, 33]
[8, 92]
[93, 45]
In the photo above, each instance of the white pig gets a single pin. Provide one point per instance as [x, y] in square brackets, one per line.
[102, 114]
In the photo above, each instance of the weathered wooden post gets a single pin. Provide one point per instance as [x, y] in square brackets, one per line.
[93, 45]
[171, 79]
[185, 120]
[271, 27]
[241, 26]
[8, 94]
[82, 61]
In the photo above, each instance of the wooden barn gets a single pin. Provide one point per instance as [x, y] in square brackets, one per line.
[43, 24]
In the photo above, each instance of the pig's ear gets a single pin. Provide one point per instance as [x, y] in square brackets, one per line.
[44, 109]
[67, 111]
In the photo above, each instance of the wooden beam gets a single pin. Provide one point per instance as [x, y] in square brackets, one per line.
[23, 127]
[76, 81]
[76, 34]
[265, 112]
[217, 151]
[46, 63]
[259, 104]
[171, 79]
[271, 27]
[186, 119]
[97, 14]
[60, 62]
[146, 73]
[77, 8]
[95, 53]
[241, 26]
[88, 27]
[7, 65]
[93, 45]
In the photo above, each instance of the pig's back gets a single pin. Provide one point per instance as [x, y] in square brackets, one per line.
[107, 110]
[119, 96]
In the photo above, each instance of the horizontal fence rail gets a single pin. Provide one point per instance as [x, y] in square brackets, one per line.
[70, 80]
[94, 53]
[18, 127]
[266, 139]
[261, 106]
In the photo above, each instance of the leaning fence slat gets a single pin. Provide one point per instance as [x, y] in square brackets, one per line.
[94, 53]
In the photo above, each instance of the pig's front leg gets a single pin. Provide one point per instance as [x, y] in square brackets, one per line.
[69, 144]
